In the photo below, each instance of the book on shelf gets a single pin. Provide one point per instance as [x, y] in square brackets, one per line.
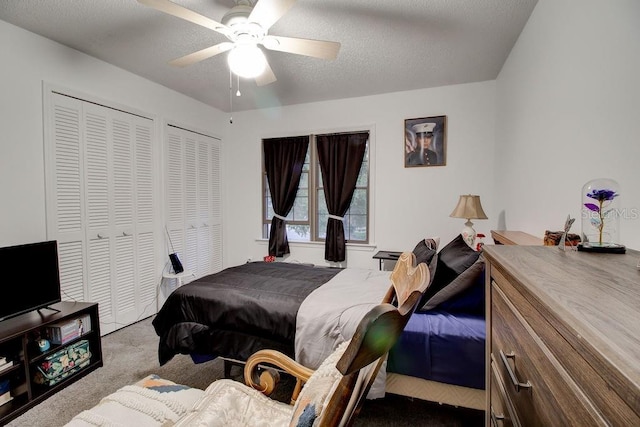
[5, 397]
[6, 365]
[63, 332]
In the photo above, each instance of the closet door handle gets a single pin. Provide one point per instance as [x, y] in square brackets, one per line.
[514, 380]
[100, 236]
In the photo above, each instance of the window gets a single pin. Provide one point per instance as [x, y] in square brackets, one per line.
[307, 220]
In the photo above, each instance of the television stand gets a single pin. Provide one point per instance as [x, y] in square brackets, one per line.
[19, 345]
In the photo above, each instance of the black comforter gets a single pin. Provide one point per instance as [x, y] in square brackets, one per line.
[237, 311]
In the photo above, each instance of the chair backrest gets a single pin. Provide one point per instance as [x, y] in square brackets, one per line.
[408, 283]
[376, 333]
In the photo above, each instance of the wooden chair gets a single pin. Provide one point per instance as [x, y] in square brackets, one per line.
[331, 395]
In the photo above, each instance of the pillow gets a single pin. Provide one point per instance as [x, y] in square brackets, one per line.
[426, 249]
[465, 293]
[452, 260]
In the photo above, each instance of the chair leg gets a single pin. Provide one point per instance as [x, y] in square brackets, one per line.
[296, 391]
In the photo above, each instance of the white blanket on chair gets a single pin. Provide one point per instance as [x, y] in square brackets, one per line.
[138, 406]
[330, 314]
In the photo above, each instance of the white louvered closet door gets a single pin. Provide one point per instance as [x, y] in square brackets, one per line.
[175, 194]
[65, 188]
[147, 278]
[102, 195]
[193, 193]
[191, 203]
[99, 236]
[124, 285]
[205, 251]
[215, 205]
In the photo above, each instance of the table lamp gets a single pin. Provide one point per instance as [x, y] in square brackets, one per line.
[469, 207]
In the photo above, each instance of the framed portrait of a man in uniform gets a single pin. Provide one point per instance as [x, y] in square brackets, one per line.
[425, 141]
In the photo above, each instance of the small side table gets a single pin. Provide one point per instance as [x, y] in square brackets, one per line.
[178, 276]
[386, 256]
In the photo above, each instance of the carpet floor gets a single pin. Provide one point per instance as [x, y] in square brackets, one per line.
[130, 354]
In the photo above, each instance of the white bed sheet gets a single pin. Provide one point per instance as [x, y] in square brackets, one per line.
[330, 314]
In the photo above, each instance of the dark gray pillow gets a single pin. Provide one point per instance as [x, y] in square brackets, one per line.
[464, 281]
[425, 250]
[452, 260]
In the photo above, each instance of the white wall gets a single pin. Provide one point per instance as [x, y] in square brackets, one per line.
[28, 61]
[563, 111]
[407, 204]
[568, 108]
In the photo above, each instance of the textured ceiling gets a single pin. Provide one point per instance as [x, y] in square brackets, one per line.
[387, 45]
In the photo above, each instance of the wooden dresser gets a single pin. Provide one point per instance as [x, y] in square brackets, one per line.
[563, 337]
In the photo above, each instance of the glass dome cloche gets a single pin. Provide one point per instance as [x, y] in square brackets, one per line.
[601, 216]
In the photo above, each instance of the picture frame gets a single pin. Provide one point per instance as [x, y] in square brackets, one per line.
[425, 141]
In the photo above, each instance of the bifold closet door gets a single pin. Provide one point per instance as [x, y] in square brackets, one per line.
[64, 153]
[113, 246]
[193, 200]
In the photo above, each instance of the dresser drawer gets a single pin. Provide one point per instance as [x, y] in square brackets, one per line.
[501, 414]
[596, 386]
[541, 391]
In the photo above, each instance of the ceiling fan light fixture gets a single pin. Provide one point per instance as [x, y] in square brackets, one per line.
[247, 60]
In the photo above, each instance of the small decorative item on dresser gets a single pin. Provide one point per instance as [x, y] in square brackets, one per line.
[600, 217]
[562, 239]
[553, 238]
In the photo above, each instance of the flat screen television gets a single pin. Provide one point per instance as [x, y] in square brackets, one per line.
[31, 278]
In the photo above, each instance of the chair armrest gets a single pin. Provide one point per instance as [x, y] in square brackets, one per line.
[265, 378]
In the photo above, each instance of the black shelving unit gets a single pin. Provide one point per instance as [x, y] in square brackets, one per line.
[18, 342]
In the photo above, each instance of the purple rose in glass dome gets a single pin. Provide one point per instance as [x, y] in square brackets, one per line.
[604, 198]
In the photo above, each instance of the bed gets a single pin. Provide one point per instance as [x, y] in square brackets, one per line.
[237, 311]
[306, 312]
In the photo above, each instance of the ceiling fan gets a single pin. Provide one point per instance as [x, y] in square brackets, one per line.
[246, 26]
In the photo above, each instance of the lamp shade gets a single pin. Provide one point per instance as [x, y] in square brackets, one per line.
[469, 207]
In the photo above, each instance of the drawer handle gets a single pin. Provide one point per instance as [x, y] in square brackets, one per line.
[516, 383]
[495, 418]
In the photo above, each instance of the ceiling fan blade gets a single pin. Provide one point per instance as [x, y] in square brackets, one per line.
[266, 77]
[201, 55]
[315, 48]
[267, 12]
[171, 8]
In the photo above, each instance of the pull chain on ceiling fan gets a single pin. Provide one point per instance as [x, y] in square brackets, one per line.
[247, 27]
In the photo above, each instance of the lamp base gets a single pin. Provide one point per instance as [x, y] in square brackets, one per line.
[612, 248]
[469, 234]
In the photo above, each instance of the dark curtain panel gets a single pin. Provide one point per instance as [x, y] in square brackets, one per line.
[340, 157]
[283, 161]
